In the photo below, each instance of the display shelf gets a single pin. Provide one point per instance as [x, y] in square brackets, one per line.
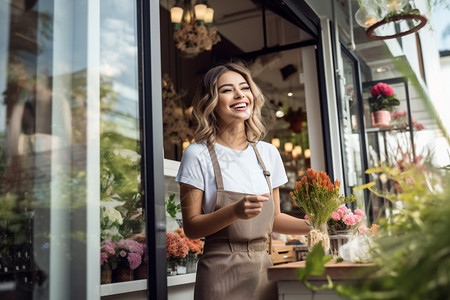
[181, 279]
[140, 285]
[123, 287]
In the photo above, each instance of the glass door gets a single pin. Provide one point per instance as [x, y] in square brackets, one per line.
[351, 115]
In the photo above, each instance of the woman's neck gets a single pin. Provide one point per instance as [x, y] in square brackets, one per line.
[234, 138]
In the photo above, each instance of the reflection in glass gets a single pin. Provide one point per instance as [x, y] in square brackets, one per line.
[121, 212]
[57, 160]
[351, 130]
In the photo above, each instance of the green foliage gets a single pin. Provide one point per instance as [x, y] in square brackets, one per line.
[171, 207]
[315, 266]
[382, 102]
[120, 169]
[413, 248]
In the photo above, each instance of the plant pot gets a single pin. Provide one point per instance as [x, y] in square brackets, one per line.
[337, 239]
[191, 264]
[171, 268]
[124, 275]
[106, 276]
[141, 271]
[316, 234]
[181, 267]
[381, 118]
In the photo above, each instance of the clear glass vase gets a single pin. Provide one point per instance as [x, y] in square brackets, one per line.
[317, 233]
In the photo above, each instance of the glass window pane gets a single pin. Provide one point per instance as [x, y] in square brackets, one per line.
[49, 102]
[70, 144]
[122, 218]
[351, 130]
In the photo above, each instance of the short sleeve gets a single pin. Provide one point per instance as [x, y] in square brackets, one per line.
[190, 171]
[278, 173]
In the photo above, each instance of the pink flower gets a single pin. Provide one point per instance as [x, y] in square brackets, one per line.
[335, 216]
[123, 253]
[363, 229]
[398, 114]
[350, 220]
[103, 258]
[418, 126]
[306, 218]
[131, 246]
[134, 260]
[342, 211]
[382, 89]
[359, 212]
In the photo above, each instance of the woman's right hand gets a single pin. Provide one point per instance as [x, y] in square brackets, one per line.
[250, 206]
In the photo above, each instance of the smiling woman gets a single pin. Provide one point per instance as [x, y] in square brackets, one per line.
[235, 101]
[229, 193]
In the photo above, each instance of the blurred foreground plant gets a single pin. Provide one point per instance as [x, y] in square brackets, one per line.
[412, 252]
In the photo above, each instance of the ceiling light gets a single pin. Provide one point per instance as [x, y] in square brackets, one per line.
[290, 94]
[280, 111]
[381, 69]
[193, 26]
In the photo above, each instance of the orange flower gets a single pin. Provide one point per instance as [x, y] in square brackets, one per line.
[195, 246]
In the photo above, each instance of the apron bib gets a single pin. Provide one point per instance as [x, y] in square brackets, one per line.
[235, 261]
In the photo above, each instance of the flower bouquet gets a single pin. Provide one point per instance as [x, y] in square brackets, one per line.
[400, 120]
[176, 250]
[129, 256]
[341, 226]
[108, 260]
[195, 249]
[318, 197]
[343, 219]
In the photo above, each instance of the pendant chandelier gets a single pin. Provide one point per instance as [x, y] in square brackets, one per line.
[381, 18]
[193, 27]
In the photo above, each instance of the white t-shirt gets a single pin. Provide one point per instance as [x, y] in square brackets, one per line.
[241, 171]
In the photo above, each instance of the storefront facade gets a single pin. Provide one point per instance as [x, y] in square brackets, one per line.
[95, 115]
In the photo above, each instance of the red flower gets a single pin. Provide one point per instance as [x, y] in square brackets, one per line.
[382, 89]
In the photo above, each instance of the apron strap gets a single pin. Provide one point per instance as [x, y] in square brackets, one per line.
[265, 171]
[216, 166]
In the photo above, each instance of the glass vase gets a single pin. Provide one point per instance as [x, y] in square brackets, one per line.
[337, 239]
[171, 268]
[317, 233]
[191, 263]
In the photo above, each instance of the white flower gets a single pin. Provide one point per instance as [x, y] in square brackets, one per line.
[114, 216]
[111, 233]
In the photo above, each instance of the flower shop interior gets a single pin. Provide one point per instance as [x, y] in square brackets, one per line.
[282, 54]
[343, 102]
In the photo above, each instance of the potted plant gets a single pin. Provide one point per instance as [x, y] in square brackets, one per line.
[108, 260]
[381, 104]
[176, 250]
[129, 256]
[195, 249]
[318, 197]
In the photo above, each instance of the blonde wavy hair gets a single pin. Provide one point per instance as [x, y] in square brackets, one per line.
[206, 124]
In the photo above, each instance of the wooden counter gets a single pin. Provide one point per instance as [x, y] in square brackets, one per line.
[337, 271]
[290, 288]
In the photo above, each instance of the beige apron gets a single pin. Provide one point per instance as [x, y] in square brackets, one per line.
[234, 262]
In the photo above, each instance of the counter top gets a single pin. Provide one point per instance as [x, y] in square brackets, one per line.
[337, 271]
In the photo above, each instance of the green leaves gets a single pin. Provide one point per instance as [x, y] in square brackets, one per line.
[315, 266]
[171, 207]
